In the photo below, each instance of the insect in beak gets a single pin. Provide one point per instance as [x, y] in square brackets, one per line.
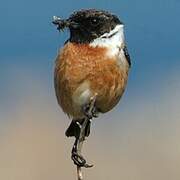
[62, 24]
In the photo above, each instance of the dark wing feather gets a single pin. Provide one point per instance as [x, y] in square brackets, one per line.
[127, 55]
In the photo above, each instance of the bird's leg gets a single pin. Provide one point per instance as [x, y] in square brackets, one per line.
[90, 114]
[76, 150]
[75, 155]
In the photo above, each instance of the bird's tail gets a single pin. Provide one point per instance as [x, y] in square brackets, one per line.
[74, 129]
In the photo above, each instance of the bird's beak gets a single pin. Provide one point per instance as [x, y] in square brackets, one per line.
[62, 24]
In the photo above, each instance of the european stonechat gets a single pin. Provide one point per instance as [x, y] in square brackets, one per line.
[94, 62]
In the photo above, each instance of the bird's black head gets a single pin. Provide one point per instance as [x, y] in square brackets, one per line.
[87, 25]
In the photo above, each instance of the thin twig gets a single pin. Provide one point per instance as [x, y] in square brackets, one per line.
[82, 136]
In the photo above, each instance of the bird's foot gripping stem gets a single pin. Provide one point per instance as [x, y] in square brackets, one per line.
[77, 158]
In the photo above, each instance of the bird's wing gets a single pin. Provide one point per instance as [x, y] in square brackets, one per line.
[127, 55]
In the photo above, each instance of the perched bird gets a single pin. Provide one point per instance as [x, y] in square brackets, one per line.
[94, 62]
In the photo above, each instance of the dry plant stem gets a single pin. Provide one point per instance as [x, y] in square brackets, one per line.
[79, 173]
[82, 136]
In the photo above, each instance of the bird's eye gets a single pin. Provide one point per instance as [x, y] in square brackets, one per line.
[94, 21]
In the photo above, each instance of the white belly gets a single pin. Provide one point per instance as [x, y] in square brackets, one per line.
[82, 95]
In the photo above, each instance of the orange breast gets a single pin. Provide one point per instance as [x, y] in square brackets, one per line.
[77, 63]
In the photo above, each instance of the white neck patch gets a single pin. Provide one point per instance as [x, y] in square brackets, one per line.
[113, 40]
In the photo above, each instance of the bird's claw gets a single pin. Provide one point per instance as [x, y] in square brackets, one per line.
[79, 160]
[90, 114]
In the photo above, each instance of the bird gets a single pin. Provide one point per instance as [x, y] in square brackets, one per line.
[93, 64]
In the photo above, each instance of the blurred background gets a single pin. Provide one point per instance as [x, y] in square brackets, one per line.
[138, 140]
